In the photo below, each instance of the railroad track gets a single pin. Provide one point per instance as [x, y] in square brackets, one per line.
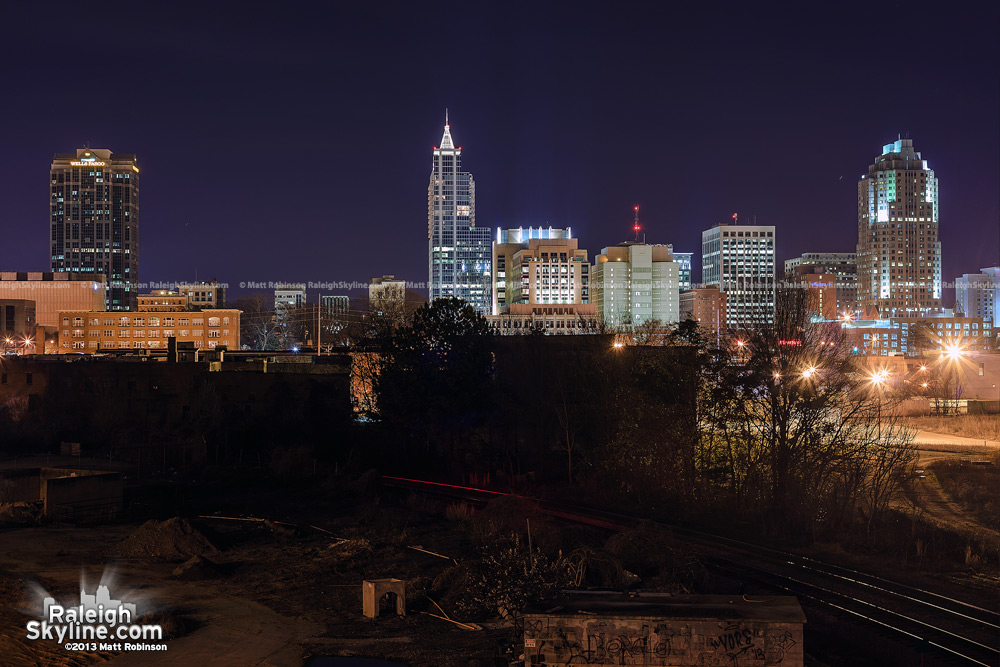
[955, 630]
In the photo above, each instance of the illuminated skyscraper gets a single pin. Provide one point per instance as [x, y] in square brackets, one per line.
[94, 219]
[739, 260]
[459, 253]
[899, 254]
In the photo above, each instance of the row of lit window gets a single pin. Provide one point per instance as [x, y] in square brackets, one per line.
[141, 321]
[124, 344]
[141, 333]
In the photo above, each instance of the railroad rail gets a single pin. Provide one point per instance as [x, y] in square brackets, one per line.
[956, 630]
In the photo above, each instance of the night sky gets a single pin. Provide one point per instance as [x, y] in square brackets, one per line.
[293, 143]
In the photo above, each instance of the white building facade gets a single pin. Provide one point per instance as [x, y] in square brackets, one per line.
[739, 260]
[636, 283]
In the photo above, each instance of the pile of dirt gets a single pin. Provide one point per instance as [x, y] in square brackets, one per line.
[173, 539]
[197, 567]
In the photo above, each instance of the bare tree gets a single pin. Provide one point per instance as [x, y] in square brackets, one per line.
[258, 330]
[793, 428]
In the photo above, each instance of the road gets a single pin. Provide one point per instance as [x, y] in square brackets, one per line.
[925, 439]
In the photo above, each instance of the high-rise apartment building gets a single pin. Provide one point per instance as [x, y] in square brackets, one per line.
[635, 283]
[899, 254]
[458, 251]
[94, 219]
[739, 260]
[978, 294]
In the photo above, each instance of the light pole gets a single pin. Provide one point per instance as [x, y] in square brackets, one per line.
[953, 354]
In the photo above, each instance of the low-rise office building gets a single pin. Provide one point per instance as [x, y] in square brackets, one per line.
[161, 316]
[913, 336]
[552, 319]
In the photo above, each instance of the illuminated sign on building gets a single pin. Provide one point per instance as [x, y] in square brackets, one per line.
[85, 163]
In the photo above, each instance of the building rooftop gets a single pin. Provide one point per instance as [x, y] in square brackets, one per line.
[52, 276]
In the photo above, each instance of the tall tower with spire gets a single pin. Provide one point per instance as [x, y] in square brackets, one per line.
[459, 254]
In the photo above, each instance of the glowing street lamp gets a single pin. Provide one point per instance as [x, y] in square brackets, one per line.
[953, 351]
[809, 372]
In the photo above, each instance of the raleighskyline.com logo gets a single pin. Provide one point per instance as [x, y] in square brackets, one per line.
[98, 623]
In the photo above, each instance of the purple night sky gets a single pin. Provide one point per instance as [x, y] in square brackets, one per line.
[276, 144]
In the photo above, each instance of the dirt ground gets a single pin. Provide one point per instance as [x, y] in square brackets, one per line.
[275, 596]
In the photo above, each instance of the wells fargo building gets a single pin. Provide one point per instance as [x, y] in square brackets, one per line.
[94, 219]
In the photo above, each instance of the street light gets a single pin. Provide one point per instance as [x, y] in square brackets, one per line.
[809, 372]
[954, 353]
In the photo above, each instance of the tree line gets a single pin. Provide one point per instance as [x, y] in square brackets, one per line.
[778, 426]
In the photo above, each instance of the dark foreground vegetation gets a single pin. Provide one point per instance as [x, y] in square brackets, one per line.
[974, 482]
[778, 435]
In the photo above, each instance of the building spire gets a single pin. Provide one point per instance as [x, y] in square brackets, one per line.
[446, 142]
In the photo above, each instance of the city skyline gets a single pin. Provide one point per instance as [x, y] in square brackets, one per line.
[569, 132]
